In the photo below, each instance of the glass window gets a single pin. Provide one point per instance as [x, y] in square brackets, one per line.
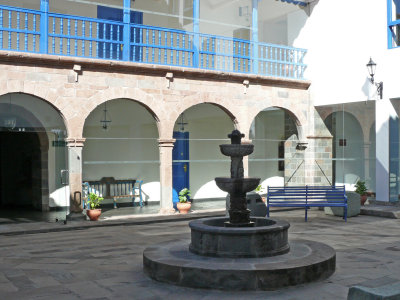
[395, 10]
[352, 126]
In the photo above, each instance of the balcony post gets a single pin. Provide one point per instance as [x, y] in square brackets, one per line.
[127, 29]
[44, 26]
[254, 35]
[196, 30]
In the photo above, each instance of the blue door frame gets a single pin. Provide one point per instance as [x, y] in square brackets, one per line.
[180, 164]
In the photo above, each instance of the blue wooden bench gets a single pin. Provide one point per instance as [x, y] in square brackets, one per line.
[110, 188]
[307, 197]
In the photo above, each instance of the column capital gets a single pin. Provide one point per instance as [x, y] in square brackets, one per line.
[166, 142]
[75, 142]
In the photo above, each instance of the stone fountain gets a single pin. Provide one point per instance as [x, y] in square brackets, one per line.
[239, 252]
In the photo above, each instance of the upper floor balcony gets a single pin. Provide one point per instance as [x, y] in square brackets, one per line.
[120, 33]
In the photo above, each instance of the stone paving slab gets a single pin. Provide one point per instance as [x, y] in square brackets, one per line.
[64, 264]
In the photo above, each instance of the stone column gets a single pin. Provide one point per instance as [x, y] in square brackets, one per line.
[44, 177]
[75, 146]
[367, 161]
[318, 160]
[166, 146]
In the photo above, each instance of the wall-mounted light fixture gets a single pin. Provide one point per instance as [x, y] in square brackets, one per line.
[301, 146]
[371, 66]
[106, 118]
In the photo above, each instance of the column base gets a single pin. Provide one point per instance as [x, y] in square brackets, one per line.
[167, 211]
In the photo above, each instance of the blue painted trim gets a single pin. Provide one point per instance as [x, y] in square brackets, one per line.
[76, 36]
[196, 30]
[389, 20]
[126, 34]
[254, 35]
[301, 3]
[44, 25]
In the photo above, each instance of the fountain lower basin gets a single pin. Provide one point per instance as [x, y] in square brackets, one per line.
[268, 237]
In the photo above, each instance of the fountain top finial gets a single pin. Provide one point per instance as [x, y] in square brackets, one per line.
[236, 137]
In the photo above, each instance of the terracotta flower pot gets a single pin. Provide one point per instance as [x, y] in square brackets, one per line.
[363, 198]
[184, 207]
[93, 214]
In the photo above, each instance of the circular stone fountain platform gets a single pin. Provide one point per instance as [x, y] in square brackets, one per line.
[173, 263]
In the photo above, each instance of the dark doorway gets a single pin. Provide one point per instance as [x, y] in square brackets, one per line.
[20, 170]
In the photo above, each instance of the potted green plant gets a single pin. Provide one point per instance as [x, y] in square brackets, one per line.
[92, 211]
[361, 189]
[184, 204]
[260, 190]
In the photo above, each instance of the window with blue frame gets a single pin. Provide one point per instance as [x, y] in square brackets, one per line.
[393, 16]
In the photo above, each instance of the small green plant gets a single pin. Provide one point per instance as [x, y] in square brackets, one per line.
[259, 189]
[184, 195]
[361, 188]
[94, 200]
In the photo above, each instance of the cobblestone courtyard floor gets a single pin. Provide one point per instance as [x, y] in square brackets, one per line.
[106, 262]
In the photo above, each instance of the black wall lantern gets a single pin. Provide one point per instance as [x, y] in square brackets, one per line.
[371, 66]
[106, 118]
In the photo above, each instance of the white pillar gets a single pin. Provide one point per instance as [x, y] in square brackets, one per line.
[383, 111]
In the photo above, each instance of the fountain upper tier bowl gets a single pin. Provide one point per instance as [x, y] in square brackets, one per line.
[236, 150]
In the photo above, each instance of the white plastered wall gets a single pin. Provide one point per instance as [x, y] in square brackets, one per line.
[340, 38]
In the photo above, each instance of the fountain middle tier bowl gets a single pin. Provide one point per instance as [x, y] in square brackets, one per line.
[236, 150]
[237, 185]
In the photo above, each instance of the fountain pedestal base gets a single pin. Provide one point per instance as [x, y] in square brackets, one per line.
[173, 263]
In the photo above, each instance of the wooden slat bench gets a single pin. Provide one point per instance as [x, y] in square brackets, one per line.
[110, 188]
[307, 196]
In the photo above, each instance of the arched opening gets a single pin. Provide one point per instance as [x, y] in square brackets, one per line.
[276, 159]
[348, 164]
[32, 155]
[122, 144]
[197, 159]
[20, 172]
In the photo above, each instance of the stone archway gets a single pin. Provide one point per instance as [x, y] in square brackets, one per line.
[24, 149]
[126, 150]
[197, 159]
[276, 159]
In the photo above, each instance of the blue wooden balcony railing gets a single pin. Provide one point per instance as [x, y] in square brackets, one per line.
[58, 34]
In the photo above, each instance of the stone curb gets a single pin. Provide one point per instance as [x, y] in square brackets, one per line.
[83, 225]
[378, 212]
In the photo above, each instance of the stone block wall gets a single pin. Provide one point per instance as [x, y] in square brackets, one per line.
[164, 91]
